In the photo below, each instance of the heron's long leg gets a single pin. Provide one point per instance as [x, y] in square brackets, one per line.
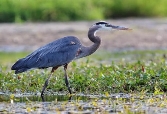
[45, 86]
[46, 83]
[66, 78]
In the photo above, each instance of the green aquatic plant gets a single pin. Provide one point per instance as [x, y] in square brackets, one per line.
[89, 76]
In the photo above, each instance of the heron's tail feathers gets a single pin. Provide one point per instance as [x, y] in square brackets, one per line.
[19, 66]
[20, 70]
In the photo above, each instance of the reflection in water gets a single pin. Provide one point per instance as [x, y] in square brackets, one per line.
[50, 98]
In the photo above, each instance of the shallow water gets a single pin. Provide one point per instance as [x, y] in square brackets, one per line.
[84, 104]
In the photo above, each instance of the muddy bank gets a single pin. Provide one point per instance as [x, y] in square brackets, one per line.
[146, 34]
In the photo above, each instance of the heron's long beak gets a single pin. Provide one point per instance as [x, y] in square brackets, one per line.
[120, 28]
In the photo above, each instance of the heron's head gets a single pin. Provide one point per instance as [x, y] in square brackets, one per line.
[102, 25]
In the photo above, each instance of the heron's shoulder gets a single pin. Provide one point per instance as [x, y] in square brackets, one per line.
[66, 40]
[71, 38]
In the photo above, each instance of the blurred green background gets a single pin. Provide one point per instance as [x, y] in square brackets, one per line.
[72, 10]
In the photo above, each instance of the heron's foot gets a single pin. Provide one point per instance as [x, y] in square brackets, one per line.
[70, 96]
[42, 97]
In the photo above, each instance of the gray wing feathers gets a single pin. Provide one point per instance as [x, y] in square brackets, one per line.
[54, 54]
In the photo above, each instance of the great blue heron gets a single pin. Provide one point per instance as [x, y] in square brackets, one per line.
[61, 52]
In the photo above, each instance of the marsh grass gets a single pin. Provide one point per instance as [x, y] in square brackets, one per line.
[99, 73]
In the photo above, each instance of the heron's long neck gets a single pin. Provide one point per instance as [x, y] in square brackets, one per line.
[96, 43]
